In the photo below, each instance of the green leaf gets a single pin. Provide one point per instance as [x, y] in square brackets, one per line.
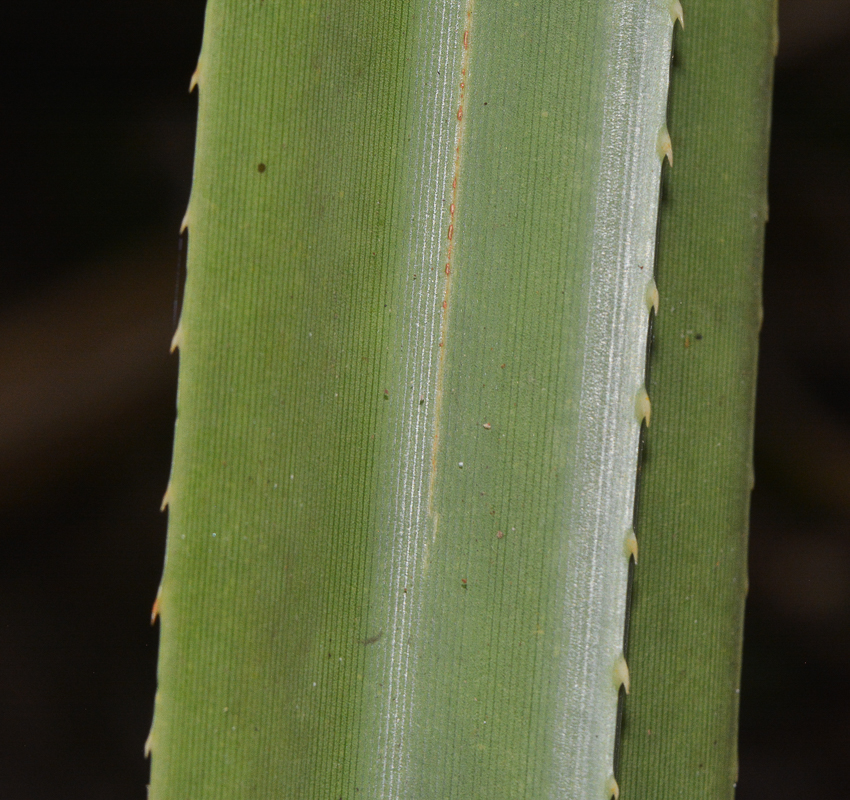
[412, 349]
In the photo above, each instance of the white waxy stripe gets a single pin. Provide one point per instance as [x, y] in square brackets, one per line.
[594, 569]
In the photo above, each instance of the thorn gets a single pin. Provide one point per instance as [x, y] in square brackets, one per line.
[185, 223]
[676, 13]
[652, 297]
[665, 145]
[155, 609]
[196, 75]
[643, 408]
[621, 674]
[613, 788]
[177, 339]
[631, 544]
[149, 741]
[166, 498]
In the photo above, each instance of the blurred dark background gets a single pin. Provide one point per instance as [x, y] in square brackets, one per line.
[97, 137]
[97, 141]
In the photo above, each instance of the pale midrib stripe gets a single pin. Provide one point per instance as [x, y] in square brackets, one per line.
[420, 314]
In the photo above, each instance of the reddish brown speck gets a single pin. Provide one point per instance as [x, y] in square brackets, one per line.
[452, 209]
[465, 39]
[503, 366]
[459, 113]
[499, 534]
[448, 270]
[451, 231]
[487, 426]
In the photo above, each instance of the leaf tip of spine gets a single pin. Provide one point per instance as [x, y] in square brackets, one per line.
[621, 674]
[149, 742]
[177, 339]
[196, 77]
[155, 609]
[166, 499]
[665, 145]
[632, 545]
[612, 788]
[643, 408]
[185, 223]
[676, 13]
[652, 297]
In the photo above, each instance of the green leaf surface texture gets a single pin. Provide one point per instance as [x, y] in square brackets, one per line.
[412, 364]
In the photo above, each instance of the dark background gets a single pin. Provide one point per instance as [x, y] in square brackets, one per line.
[95, 166]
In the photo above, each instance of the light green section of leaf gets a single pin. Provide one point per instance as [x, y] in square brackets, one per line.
[414, 332]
